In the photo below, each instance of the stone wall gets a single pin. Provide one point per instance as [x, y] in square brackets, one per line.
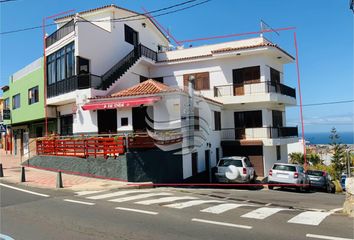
[348, 206]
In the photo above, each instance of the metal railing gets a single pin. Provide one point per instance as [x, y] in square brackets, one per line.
[147, 52]
[73, 83]
[60, 33]
[258, 133]
[253, 88]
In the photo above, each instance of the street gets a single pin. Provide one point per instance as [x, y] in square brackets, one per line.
[171, 213]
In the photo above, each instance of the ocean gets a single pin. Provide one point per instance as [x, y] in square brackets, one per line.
[323, 138]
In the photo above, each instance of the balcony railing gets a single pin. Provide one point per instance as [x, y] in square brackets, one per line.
[147, 52]
[253, 88]
[60, 33]
[258, 133]
[73, 83]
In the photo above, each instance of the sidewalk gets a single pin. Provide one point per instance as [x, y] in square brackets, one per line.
[47, 179]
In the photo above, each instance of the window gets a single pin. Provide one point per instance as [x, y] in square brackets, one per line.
[201, 82]
[217, 121]
[124, 121]
[130, 35]
[278, 153]
[196, 119]
[143, 79]
[249, 119]
[194, 163]
[274, 75]
[16, 101]
[246, 75]
[39, 131]
[159, 79]
[61, 64]
[33, 95]
[284, 167]
[6, 104]
[66, 125]
[277, 118]
[227, 162]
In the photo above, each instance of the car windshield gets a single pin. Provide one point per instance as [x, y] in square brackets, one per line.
[284, 168]
[228, 162]
[315, 173]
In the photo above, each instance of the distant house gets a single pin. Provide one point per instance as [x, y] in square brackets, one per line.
[117, 77]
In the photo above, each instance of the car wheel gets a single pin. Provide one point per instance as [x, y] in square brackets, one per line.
[270, 187]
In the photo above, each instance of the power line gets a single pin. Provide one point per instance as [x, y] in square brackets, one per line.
[4, 1]
[325, 103]
[122, 18]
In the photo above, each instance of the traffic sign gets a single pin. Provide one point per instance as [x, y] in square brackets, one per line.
[6, 114]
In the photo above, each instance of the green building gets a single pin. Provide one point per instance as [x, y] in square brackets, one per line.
[24, 98]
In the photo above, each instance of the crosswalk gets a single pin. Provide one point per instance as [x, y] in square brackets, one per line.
[180, 201]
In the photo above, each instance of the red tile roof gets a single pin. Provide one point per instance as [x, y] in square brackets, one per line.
[147, 87]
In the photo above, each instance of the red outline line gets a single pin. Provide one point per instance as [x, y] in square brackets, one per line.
[237, 34]
[218, 184]
[75, 173]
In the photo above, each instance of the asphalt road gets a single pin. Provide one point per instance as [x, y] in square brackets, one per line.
[67, 215]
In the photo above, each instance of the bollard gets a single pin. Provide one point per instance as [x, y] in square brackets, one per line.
[59, 180]
[23, 174]
[1, 171]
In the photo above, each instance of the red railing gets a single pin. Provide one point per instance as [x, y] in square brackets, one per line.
[87, 147]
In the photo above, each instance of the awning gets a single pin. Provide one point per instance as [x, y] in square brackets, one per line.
[120, 103]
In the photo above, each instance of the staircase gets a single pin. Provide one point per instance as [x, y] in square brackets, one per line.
[125, 64]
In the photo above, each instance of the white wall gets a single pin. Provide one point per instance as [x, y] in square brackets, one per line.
[124, 113]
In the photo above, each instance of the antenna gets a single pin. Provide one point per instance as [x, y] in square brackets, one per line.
[265, 27]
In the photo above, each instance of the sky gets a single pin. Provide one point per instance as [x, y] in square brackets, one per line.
[324, 30]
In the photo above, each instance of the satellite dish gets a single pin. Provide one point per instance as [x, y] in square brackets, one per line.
[232, 172]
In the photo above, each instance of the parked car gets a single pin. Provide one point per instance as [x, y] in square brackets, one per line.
[235, 169]
[342, 181]
[292, 174]
[321, 180]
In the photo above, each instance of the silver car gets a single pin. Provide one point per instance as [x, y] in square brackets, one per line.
[235, 170]
[288, 175]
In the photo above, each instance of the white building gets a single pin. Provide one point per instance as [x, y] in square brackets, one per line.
[97, 69]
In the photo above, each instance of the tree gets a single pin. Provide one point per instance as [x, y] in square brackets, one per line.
[298, 158]
[338, 159]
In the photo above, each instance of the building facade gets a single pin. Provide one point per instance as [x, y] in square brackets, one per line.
[24, 98]
[104, 77]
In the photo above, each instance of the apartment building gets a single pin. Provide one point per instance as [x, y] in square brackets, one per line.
[106, 76]
[24, 103]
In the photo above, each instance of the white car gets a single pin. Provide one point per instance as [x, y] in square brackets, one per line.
[288, 175]
[235, 170]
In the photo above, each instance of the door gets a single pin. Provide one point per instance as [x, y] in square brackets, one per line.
[207, 165]
[135, 38]
[66, 125]
[239, 119]
[83, 70]
[194, 163]
[237, 77]
[25, 142]
[139, 122]
[107, 121]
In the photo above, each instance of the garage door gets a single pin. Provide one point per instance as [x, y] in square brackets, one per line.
[254, 153]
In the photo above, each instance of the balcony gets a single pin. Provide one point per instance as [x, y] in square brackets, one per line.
[82, 81]
[253, 88]
[60, 33]
[258, 133]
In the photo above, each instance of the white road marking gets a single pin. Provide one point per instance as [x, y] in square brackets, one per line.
[336, 210]
[262, 213]
[140, 196]
[137, 210]
[80, 202]
[116, 194]
[5, 237]
[191, 203]
[310, 218]
[83, 193]
[221, 208]
[23, 190]
[221, 223]
[164, 200]
[326, 237]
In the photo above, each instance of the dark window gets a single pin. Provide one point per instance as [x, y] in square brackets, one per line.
[159, 79]
[201, 82]
[66, 125]
[196, 119]
[16, 101]
[247, 75]
[33, 95]
[274, 75]
[131, 36]
[83, 66]
[217, 120]
[277, 118]
[143, 79]
[227, 162]
[315, 173]
[39, 131]
[124, 121]
[284, 168]
[249, 119]
[217, 154]
[194, 163]
[278, 153]
[61, 64]
[6, 104]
